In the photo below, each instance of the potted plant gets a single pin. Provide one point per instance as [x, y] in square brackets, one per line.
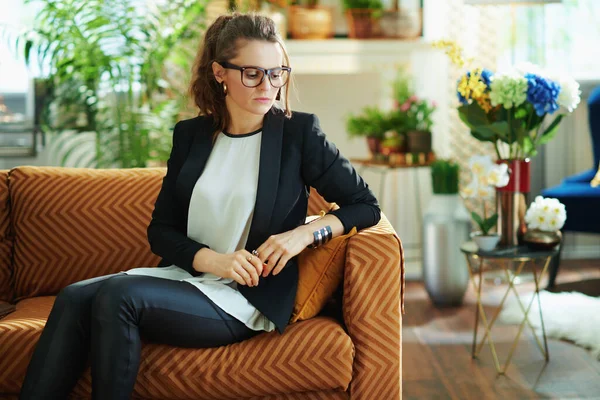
[415, 114]
[361, 16]
[309, 20]
[371, 123]
[394, 142]
[113, 92]
[486, 177]
[446, 226]
[545, 218]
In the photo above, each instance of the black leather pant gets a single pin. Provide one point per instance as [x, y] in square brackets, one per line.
[104, 317]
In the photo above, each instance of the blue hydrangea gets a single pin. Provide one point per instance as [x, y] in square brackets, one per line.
[542, 93]
[486, 76]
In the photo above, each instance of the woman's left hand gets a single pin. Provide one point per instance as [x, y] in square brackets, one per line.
[279, 249]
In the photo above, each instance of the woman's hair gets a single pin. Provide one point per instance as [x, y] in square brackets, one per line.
[220, 44]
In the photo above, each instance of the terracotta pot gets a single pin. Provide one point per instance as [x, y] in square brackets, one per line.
[374, 145]
[419, 141]
[311, 22]
[360, 23]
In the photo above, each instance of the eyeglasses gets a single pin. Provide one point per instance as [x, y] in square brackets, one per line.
[254, 76]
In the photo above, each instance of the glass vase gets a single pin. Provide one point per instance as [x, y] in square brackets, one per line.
[511, 202]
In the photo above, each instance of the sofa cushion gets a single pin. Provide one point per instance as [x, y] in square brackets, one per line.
[6, 291]
[72, 224]
[312, 355]
[320, 272]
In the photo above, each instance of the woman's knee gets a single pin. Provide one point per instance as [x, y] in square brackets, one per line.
[112, 297]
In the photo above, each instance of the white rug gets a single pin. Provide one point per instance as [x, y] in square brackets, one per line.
[570, 315]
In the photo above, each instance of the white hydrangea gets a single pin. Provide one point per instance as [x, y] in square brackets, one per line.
[570, 94]
[546, 214]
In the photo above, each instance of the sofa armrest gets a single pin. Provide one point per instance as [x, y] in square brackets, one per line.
[372, 306]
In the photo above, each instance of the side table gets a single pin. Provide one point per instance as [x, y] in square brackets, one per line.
[383, 168]
[506, 257]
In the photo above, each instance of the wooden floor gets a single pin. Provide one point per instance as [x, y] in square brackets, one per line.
[437, 361]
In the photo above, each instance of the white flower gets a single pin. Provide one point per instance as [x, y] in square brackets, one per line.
[570, 94]
[485, 192]
[480, 164]
[547, 214]
[497, 175]
[469, 191]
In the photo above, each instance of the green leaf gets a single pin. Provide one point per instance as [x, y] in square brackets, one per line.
[520, 113]
[551, 130]
[473, 115]
[490, 222]
[478, 220]
[491, 132]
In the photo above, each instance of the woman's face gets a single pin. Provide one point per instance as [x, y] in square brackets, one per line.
[257, 100]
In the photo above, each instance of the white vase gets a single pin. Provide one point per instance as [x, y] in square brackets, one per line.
[446, 226]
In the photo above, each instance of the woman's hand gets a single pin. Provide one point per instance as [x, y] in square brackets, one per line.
[279, 249]
[241, 266]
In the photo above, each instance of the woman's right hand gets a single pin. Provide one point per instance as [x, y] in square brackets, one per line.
[241, 266]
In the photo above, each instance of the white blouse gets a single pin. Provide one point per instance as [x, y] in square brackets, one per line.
[220, 213]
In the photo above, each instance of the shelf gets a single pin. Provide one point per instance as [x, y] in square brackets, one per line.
[348, 56]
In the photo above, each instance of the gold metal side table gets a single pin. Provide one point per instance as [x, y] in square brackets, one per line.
[506, 257]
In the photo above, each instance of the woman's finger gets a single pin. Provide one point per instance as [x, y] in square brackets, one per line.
[244, 274]
[251, 269]
[238, 278]
[273, 259]
[280, 264]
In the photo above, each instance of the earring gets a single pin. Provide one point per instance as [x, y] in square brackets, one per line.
[224, 88]
[278, 97]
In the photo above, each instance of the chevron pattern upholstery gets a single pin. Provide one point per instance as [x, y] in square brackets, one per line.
[6, 291]
[65, 222]
[72, 224]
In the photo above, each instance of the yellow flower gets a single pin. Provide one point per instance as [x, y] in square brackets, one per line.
[453, 50]
[484, 102]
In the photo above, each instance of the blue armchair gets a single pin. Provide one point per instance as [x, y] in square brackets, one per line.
[581, 201]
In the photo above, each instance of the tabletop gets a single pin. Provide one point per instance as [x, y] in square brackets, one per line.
[511, 252]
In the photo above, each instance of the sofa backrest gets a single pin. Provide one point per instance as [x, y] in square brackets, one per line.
[6, 292]
[71, 224]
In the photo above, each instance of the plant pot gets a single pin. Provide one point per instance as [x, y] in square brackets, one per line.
[311, 22]
[374, 145]
[403, 23]
[485, 242]
[446, 226]
[419, 141]
[511, 202]
[537, 239]
[360, 23]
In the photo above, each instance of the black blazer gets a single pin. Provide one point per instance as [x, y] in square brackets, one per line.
[294, 156]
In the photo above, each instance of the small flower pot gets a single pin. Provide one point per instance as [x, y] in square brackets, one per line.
[419, 141]
[374, 145]
[485, 242]
[361, 23]
[537, 239]
[311, 22]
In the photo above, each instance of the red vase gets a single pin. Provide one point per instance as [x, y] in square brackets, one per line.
[511, 202]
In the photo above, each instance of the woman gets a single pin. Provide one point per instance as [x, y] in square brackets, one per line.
[228, 223]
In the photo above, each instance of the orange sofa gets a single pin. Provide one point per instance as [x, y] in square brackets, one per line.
[62, 225]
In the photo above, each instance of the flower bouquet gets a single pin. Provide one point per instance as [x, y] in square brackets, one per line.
[517, 111]
[509, 108]
[486, 176]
